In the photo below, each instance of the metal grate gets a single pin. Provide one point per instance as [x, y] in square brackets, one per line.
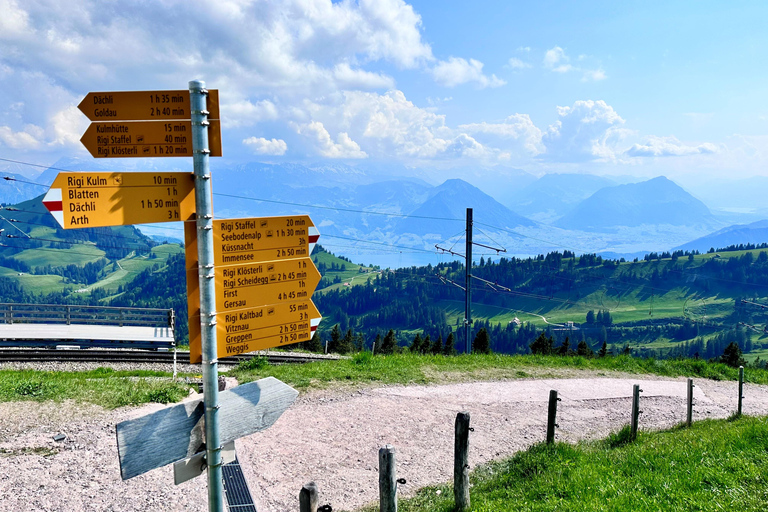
[236, 488]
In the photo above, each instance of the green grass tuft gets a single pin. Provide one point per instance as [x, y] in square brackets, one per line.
[714, 465]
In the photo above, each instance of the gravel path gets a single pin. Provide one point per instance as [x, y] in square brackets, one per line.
[333, 438]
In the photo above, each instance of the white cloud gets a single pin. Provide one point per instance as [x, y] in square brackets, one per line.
[348, 78]
[262, 146]
[30, 138]
[243, 112]
[456, 71]
[67, 127]
[668, 146]
[344, 147]
[594, 75]
[589, 130]
[516, 63]
[14, 20]
[518, 127]
[557, 61]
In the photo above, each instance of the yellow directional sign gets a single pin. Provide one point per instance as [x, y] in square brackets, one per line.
[269, 282]
[242, 287]
[258, 328]
[138, 139]
[143, 105]
[98, 199]
[237, 241]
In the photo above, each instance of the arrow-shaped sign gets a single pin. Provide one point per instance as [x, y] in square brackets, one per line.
[143, 105]
[169, 435]
[98, 199]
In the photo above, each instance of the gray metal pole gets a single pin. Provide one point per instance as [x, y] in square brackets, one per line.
[635, 411]
[552, 416]
[741, 387]
[461, 462]
[200, 155]
[689, 416]
[468, 284]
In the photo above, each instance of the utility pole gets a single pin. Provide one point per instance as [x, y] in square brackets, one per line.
[468, 285]
[468, 278]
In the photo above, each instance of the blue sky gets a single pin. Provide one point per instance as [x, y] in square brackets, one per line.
[624, 88]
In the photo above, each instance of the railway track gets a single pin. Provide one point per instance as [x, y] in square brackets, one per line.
[140, 356]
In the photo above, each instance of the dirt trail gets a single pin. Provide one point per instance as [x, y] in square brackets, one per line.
[333, 438]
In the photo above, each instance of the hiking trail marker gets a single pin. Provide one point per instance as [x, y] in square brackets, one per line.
[98, 199]
[143, 105]
[264, 281]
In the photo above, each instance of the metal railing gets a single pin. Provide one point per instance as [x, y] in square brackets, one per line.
[16, 313]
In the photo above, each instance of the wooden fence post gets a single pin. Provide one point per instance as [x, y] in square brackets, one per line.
[308, 498]
[461, 462]
[689, 416]
[552, 416]
[635, 410]
[387, 479]
[741, 387]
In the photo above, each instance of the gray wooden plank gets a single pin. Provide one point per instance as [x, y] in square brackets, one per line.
[176, 432]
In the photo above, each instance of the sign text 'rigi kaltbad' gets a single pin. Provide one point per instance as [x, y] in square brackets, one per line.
[264, 281]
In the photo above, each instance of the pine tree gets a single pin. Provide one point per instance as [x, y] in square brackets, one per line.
[732, 356]
[590, 317]
[565, 348]
[377, 343]
[583, 349]
[603, 350]
[347, 343]
[437, 346]
[416, 344]
[315, 343]
[543, 345]
[334, 345]
[482, 343]
[359, 342]
[389, 345]
[449, 349]
[426, 345]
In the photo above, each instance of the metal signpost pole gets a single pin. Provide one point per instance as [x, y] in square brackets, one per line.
[200, 156]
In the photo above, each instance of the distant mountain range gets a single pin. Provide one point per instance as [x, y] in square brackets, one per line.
[658, 201]
[367, 211]
[754, 233]
[553, 195]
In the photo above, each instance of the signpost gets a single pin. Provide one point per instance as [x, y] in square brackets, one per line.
[248, 280]
[139, 139]
[264, 280]
[97, 199]
[143, 105]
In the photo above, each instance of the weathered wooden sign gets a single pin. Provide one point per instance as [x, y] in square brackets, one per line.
[176, 433]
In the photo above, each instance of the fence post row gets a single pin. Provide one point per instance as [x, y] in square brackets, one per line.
[689, 416]
[741, 387]
[635, 410]
[552, 416]
[461, 462]
[387, 479]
